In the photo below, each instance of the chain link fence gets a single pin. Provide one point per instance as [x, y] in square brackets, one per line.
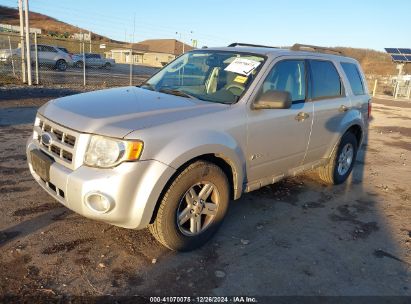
[74, 63]
[58, 61]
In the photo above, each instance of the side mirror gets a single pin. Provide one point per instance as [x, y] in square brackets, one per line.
[273, 100]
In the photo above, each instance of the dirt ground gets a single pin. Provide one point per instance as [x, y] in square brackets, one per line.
[297, 237]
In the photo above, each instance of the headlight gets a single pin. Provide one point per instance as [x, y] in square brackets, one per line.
[107, 152]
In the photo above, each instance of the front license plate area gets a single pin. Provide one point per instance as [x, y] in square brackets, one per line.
[41, 163]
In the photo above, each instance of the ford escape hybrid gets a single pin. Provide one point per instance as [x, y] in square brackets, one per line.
[211, 125]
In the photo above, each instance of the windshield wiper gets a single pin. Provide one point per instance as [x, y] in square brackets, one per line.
[147, 86]
[177, 93]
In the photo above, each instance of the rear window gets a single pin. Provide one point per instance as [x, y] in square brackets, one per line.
[354, 78]
[325, 80]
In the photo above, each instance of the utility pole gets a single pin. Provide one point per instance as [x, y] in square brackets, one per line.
[22, 49]
[134, 27]
[183, 44]
[179, 33]
[26, 15]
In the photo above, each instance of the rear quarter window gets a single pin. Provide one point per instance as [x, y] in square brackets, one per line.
[325, 80]
[354, 78]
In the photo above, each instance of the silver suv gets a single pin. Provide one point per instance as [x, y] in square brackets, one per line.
[48, 56]
[92, 60]
[211, 125]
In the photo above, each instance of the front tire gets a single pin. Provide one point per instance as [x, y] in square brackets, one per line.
[61, 65]
[341, 161]
[192, 208]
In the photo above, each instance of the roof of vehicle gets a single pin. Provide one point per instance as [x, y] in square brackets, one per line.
[275, 52]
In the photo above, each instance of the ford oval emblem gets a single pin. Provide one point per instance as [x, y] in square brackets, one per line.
[46, 139]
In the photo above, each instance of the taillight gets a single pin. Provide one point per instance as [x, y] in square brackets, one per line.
[369, 108]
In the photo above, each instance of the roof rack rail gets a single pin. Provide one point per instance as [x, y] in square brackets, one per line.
[319, 49]
[251, 45]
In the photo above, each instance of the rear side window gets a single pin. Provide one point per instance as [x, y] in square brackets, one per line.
[354, 77]
[50, 49]
[325, 80]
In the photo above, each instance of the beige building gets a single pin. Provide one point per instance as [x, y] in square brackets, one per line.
[155, 52]
[124, 56]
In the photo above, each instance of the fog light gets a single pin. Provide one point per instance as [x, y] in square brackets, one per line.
[98, 202]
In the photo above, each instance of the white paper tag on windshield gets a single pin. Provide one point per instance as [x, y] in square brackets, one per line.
[242, 66]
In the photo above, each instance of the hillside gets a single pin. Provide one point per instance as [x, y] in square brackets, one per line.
[49, 26]
[373, 62]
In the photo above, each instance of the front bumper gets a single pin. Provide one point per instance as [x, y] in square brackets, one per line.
[134, 188]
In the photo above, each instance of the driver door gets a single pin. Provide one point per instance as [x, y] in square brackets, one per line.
[277, 139]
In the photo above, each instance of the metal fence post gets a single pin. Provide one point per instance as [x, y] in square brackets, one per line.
[375, 87]
[397, 88]
[12, 59]
[22, 49]
[28, 49]
[37, 58]
[131, 67]
[84, 66]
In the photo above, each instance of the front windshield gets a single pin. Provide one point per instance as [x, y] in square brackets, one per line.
[213, 76]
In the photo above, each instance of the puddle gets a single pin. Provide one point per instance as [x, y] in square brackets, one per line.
[17, 116]
[8, 235]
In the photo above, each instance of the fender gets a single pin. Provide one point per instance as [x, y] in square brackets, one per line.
[190, 146]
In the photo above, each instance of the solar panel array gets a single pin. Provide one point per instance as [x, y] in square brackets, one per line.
[399, 55]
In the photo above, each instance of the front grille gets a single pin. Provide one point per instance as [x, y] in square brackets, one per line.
[63, 141]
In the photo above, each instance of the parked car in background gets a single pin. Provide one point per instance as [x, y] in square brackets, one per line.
[92, 60]
[6, 54]
[48, 55]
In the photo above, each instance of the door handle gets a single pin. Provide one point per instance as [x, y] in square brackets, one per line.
[343, 108]
[302, 116]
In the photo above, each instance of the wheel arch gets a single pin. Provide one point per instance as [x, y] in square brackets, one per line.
[222, 162]
[356, 129]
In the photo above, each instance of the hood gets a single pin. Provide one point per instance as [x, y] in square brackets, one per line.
[119, 111]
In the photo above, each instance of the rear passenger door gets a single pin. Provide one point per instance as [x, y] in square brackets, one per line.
[331, 104]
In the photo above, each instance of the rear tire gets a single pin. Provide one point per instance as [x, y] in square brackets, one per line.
[107, 66]
[187, 217]
[341, 161]
[79, 64]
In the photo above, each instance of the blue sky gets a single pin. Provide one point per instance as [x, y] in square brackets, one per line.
[356, 23]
